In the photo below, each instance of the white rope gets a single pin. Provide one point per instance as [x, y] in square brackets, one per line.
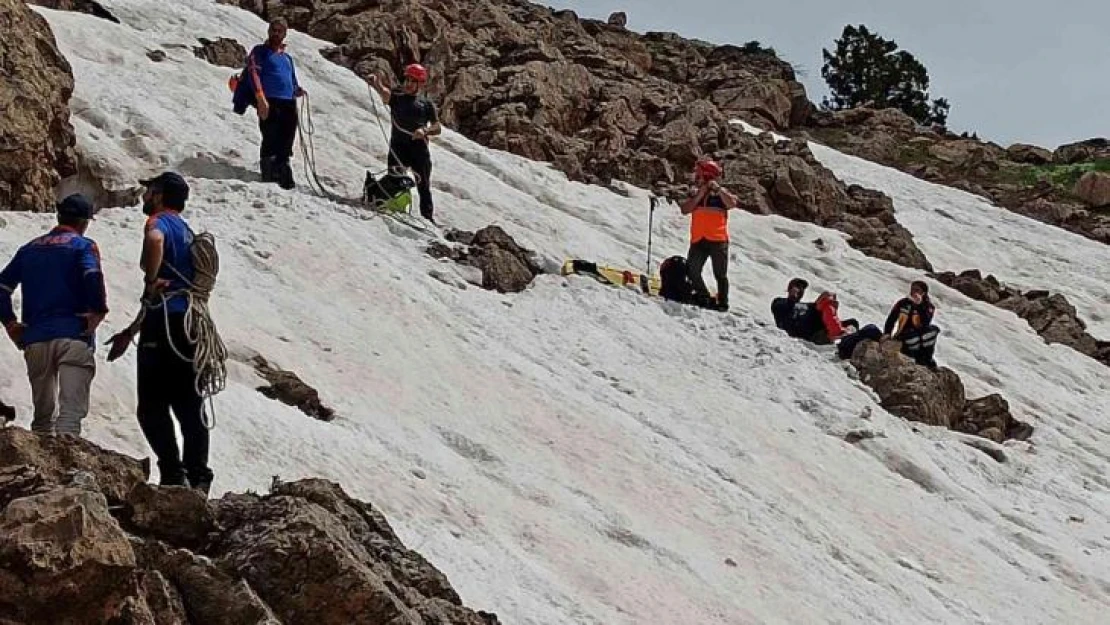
[306, 128]
[210, 354]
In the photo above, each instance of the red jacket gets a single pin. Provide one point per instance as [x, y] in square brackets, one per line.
[827, 306]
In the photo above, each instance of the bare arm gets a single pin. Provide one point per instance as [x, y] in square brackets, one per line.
[695, 200]
[384, 91]
[729, 198]
[152, 255]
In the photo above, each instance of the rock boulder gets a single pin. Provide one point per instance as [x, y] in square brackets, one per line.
[506, 266]
[1030, 154]
[72, 550]
[57, 459]
[36, 138]
[932, 396]
[1082, 151]
[1094, 188]
[288, 388]
[223, 52]
[1051, 315]
[304, 540]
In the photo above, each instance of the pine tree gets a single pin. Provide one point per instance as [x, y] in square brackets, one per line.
[868, 69]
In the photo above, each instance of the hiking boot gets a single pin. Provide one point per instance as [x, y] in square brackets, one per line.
[201, 480]
[203, 485]
[173, 479]
[266, 168]
[284, 175]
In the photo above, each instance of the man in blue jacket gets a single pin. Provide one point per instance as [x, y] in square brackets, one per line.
[166, 373]
[276, 91]
[64, 301]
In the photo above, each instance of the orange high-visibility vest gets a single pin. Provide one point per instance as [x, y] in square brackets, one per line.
[709, 224]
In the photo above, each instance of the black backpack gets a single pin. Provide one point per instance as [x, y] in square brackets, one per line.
[675, 285]
[392, 192]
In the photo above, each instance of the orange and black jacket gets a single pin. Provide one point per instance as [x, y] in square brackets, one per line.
[907, 318]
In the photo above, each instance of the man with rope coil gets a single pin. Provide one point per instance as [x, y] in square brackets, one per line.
[181, 356]
[414, 120]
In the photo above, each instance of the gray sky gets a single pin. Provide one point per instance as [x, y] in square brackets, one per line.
[1013, 70]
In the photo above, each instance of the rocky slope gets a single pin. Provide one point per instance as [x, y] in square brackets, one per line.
[604, 103]
[1068, 187]
[84, 539]
[1051, 315]
[36, 138]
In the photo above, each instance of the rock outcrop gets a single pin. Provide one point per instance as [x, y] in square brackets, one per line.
[1082, 151]
[1051, 315]
[506, 266]
[223, 52]
[1026, 179]
[288, 388]
[589, 96]
[1094, 189]
[73, 551]
[1029, 154]
[90, 7]
[36, 138]
[933, 396]
[603, 103]
[783, 177]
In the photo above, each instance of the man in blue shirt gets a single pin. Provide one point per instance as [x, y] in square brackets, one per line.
[166, 376]
[276, 91]
[64, 301]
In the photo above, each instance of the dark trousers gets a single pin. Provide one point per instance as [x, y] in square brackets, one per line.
[703, 250]
[279, 131]
[415, 155]
[848, 344]
[920, 345]
[167, 382]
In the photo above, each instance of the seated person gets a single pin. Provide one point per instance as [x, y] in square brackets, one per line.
[816, 322]
[853, 336]
[788, 310]
[911, 322]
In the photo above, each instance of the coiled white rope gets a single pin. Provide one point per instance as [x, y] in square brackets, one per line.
[210, 353]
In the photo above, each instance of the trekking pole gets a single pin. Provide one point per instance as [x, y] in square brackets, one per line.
[646, 281]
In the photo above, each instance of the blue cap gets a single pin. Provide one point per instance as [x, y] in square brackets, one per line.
[171, 185]
[76, 205]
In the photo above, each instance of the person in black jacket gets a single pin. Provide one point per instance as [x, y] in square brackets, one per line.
[817, 322]
[415, 120]
[789, 312]
[911, 322]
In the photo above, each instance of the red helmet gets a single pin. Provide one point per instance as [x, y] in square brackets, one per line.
[709, 170]
[417, 72]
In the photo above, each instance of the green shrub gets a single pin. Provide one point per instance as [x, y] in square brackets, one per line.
[1064, 175]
